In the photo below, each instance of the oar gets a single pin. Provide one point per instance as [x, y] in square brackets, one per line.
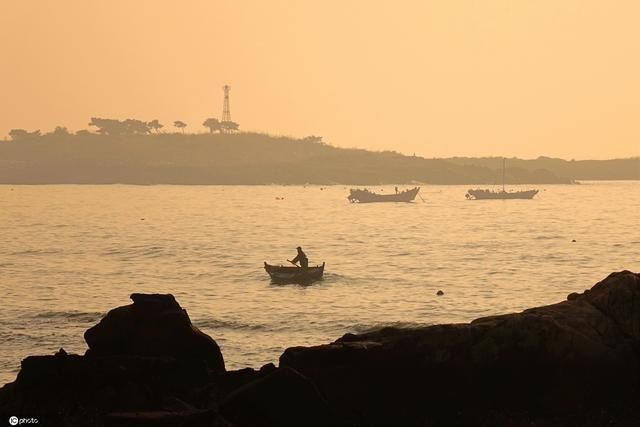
[423, 201]
[293, 263]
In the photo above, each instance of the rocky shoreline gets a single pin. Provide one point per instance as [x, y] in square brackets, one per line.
[576, 362]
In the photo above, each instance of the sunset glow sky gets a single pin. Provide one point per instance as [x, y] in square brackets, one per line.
[438, 78]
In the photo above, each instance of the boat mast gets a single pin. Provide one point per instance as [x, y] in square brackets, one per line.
[503, 160]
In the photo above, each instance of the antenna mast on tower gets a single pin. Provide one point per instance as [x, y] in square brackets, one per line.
[226, 109]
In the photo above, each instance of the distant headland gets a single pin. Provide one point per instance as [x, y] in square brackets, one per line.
[136, 152]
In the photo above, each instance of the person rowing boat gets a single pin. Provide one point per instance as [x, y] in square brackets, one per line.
[301, 258]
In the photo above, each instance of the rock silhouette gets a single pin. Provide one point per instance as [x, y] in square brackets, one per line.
[154, 325]
[561, 358]
[283, 397]
[576, 362]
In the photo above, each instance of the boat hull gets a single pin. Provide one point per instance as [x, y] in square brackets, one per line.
[365, 196]
[286, 274]
[500, 195]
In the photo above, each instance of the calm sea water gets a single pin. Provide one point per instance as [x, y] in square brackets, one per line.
[71, 253]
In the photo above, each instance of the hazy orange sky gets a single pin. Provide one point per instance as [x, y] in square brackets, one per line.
[438, 78]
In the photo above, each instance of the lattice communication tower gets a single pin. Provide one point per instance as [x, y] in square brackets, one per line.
[226, 109]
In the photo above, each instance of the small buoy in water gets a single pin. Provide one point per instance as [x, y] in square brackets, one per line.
[439, 293]
[573, 241]
[141, 219]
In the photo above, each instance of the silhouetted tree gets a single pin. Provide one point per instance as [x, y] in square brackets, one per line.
[155, 125]
[137, 127]
[228, 127]
[213, 125]
[107, 126]
[60, 131]
[18, 134]
[117, 127]
[180, 125]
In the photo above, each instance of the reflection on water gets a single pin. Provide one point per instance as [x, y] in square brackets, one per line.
[71, 253]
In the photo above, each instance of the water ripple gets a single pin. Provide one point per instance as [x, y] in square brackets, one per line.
[72, 253]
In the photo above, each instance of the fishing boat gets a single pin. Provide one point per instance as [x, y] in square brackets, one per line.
[480, 194]
[291, 274]
[366, 196]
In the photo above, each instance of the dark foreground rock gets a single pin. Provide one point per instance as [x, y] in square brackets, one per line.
[284, 397]
[555, 362]
[81, 390]
[572, 363]
[154, 325]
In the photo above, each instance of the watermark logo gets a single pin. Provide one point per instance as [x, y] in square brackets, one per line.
[14, 421]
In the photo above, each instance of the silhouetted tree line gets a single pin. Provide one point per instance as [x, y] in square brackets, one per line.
[114, 127]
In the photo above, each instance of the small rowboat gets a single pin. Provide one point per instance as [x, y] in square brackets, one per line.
[286, 274]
